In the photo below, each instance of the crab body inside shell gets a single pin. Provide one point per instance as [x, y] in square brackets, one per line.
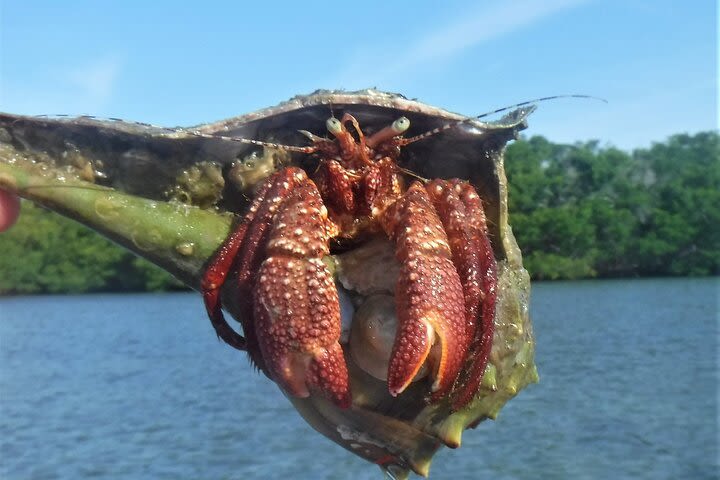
[445, 292]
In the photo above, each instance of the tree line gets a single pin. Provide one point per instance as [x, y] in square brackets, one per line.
[577, 211]
[585, 210]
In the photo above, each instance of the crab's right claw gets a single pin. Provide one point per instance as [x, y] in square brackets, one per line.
[298, 316]
[295, 302]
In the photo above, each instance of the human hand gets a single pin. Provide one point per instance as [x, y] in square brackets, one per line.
[9, 209]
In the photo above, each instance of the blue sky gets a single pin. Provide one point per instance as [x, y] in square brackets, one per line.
[172, 63]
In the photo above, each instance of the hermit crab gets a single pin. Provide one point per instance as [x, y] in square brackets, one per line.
[361, 240]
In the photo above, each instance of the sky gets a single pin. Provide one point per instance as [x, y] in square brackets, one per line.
[175, 63]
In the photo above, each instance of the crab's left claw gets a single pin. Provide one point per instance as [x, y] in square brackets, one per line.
[446, 291]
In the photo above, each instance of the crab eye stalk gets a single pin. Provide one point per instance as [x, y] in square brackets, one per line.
[334, 126]
[400, 125]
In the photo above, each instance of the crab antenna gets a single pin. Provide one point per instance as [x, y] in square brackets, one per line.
[260, 143]
[185, 131]
[413, 174]
[454, 124]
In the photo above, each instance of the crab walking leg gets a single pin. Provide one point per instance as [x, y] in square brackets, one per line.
[463, 235]
[429, 295]
[273, 193]
[460, 210]
[218, 269]
[381, 183]
[482, 341]
[336, 186]
[213, 280]
[296, 306]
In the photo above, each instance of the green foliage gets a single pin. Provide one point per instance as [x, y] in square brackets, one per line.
[578, 211]
[581, 211]
[46, 253]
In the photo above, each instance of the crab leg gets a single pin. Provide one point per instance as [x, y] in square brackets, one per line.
[460, 210]
[336, 185]
[217, 271]
[429, 295]
[240, 249]
[213, 279]
[482, 343]
[252, 252]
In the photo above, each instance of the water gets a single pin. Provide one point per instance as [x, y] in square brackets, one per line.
[137, 386]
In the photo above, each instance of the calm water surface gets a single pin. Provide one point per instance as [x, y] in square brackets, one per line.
[137, 386]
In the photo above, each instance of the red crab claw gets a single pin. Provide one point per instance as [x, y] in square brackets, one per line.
[429, 295]
[296, 305]
[295, 315]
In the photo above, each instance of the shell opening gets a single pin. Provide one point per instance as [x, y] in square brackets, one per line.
[372, 336]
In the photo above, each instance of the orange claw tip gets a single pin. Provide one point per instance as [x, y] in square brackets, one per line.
[411, 349]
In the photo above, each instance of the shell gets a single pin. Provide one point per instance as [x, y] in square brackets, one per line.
[157, 190]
